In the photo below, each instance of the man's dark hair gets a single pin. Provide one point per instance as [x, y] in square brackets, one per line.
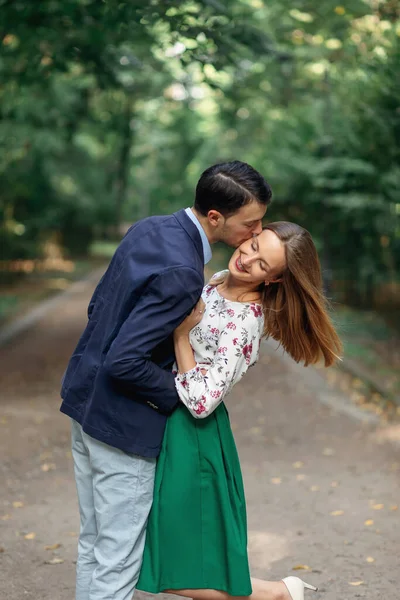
[226, 187]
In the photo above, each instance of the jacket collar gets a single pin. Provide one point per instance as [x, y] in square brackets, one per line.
[191, 230]
[204, 240]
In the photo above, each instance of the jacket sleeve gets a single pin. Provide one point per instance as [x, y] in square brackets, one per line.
[94, 297]
[167, 300]
[238, 349]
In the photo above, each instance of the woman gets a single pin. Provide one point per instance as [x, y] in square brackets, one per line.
[197, 538]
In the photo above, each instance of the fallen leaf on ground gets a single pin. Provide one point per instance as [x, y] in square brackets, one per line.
[72, 533]
[337, 513]
[356, 582]
[46, 455]
[301, 568]
[54, 561]
[18, 504]
[357, 383]
[298, 464]
[48, 467]
[5, 517]
[3, 421]
[328, 452]
[1, 549]
[334, 484]
[314, 488]
[378, 506]
[276, 480]
[394, 507]
[255, 430]
[368, 522]
[300, 477]
[370, 559]
[52, 547]
[30, 536]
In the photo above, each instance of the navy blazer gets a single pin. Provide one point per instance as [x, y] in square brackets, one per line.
[118, 384]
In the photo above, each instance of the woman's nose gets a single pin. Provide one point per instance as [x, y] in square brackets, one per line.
[246, 260]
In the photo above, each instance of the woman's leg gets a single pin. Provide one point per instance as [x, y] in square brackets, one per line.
[262, 590]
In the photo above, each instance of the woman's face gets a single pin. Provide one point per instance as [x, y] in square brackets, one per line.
[260, 259]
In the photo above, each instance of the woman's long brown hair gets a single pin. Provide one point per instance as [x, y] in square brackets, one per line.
[295, 308]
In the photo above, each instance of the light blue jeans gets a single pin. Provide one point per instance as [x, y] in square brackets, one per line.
[115, 493]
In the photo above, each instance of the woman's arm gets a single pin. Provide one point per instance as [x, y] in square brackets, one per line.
[183, 349]
[184, 353]
[202, 390]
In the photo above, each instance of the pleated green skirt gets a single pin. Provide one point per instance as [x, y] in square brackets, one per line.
[197, 530]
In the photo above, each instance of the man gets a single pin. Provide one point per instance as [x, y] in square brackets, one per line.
[119, 389]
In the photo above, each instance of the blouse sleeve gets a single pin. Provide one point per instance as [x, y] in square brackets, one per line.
[238, 349]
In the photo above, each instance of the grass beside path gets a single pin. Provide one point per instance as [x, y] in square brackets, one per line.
[17, 298]
[103, 249]
[370, 369]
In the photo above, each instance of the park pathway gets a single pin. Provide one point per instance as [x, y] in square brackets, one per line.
[322, 485]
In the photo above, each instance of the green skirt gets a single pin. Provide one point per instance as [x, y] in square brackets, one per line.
[197, 530]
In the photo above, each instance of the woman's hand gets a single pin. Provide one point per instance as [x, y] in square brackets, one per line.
[191, 320]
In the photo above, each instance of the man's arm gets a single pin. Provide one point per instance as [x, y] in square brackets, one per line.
[94, 297]
[164, 305]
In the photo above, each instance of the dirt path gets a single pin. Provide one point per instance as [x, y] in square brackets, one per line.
[322, 487]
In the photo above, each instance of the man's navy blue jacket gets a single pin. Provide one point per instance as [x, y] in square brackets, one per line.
[118, 384]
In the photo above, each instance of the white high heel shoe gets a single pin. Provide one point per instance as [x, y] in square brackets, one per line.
[296, 587]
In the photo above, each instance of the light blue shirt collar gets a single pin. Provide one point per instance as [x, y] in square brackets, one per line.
[204, 240]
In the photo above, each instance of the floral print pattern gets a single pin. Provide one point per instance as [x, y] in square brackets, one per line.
[225, 343]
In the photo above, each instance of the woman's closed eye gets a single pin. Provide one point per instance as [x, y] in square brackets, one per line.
[254, 247]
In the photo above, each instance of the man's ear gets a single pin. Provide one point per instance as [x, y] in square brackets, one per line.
[215, 218]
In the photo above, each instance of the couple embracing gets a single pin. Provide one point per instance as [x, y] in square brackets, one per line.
[160, 490]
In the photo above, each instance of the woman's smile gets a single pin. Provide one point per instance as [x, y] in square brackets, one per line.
[239, 265]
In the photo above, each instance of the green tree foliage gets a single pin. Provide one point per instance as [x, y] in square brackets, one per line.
[78, 76]
[111, 109]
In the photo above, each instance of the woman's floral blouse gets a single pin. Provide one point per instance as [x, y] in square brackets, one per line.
[225, 343]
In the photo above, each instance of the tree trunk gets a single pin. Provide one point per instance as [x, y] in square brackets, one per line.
[121, 183]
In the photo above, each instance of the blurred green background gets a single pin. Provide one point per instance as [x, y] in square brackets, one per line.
[110, 110]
